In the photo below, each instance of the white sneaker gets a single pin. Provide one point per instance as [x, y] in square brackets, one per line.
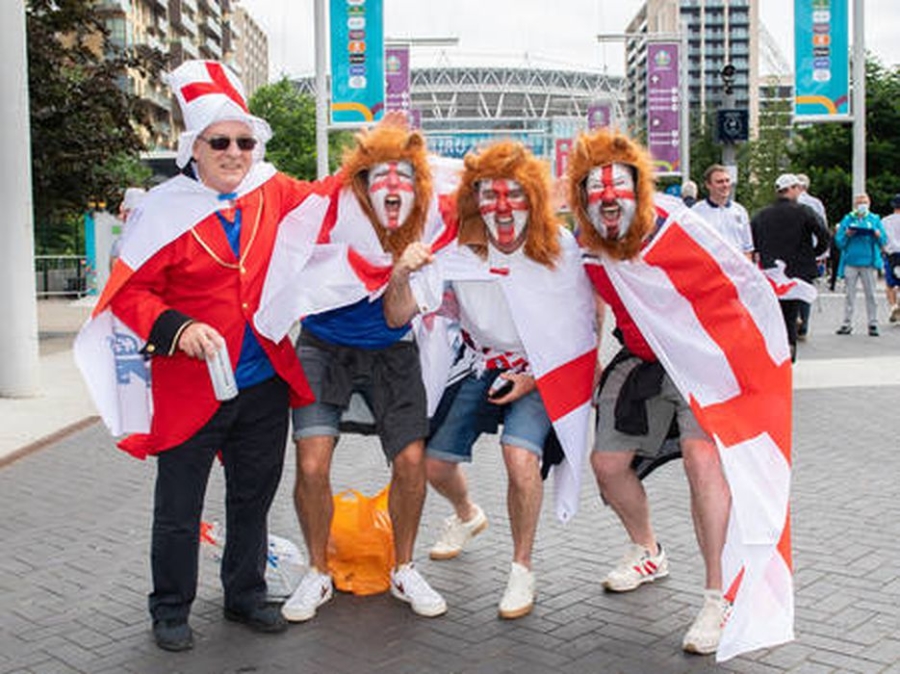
[703, 637]
[895, 314]
[637, 566]
[315, 589]
[408, 585]
[518, 599]
[457, 533]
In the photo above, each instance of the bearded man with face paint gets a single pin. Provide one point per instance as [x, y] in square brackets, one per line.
[675, 290]
[349, 350]
[524, 307]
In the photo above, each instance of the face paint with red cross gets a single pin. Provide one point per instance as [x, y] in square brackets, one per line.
[391, 192]
[504, 208]
[610, 199]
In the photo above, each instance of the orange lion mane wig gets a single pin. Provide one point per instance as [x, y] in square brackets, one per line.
[509, 160]
[384, 144]
[607, 147]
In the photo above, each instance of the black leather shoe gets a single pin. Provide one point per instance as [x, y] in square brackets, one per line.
[844, 330]
[263, 618]
[873, 331]
[173, 635]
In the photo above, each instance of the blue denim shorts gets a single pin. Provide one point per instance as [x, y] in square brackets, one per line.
[460, 420]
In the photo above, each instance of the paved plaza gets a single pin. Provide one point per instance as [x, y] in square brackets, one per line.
[74, 567]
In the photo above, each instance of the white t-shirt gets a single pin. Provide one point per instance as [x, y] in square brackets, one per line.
[730, 220]
[892, 227]
[484, 312]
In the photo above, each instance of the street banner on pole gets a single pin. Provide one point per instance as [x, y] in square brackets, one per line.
[663, 108]
[357, 61]
[396, 78]
[821, 58]
[600, 114]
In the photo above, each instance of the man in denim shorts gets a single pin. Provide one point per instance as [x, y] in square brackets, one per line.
[386, 202]
[519, 255]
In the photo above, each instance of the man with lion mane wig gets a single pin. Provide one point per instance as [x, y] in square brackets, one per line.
[703, 345]
[525, 310]
[346, 348]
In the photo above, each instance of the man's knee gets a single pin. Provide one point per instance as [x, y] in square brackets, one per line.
[410, 461]
[610, 466]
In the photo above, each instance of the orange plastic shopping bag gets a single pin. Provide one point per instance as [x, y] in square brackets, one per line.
[361, 544]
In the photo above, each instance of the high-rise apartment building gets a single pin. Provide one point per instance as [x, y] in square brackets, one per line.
[250, 50]
[719, 32]
[183, 30]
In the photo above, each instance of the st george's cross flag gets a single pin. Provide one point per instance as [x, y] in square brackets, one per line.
[789, 288]
[554, 315]
[348, 264]
[713, 321]
[106, 351]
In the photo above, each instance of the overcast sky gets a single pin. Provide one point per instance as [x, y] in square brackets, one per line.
[552, 33]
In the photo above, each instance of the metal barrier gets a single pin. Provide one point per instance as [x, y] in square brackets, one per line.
[61, 275]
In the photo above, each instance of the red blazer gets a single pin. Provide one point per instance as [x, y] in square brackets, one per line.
[198, 275]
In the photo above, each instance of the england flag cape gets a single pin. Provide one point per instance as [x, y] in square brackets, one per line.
[554, 314]
[348, 264]
[106, 351]
[714, 323]
[787, 287]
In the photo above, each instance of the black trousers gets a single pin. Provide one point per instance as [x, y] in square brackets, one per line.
[790, 309]
[250, 431]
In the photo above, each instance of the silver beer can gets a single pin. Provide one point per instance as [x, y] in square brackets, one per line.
[221, 374]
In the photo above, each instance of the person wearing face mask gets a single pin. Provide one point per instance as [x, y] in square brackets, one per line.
[860, 237]
[388, 200]
[704, 358]
[525, 310]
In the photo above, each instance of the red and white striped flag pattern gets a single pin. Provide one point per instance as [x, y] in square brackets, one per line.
[713, 321]
[788, 288]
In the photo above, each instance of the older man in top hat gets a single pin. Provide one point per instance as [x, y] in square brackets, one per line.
[184, 292]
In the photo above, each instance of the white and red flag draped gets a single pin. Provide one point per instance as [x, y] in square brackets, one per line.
[348, 264]
[713, 321]
[787, 287]
[106, 351]
[554, 313]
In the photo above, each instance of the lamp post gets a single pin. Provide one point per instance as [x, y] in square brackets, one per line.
[19, 330]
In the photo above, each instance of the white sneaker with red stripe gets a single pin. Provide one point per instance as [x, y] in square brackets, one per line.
[703, 636]
[637, 566]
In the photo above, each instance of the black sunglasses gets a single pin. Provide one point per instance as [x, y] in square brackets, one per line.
[222, 143]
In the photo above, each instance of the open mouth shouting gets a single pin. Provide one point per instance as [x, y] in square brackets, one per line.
[610, 199]
[391, 192]
[504, 208]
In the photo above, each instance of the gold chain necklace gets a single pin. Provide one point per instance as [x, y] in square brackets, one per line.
[240, 263]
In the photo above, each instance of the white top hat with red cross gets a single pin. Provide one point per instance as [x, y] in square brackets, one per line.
[209, 92]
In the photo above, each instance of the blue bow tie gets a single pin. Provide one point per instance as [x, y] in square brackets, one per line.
[230, 196]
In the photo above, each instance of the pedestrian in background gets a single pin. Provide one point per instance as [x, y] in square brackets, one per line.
[860, 237]
[721, 211]
[788, 232]
[892, 258]
[815, 204]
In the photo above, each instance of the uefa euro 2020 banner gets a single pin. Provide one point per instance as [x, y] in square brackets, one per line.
[357, 61]
[822, 56]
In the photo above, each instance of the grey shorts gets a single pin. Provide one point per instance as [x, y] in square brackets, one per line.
[661, 409]
[389, 380]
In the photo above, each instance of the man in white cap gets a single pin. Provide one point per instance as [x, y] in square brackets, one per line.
[789, 233]
[184, 291]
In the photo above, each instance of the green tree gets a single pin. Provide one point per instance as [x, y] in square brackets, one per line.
[825, 151]
[292, 116]
[84, 126]
[765, 157]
